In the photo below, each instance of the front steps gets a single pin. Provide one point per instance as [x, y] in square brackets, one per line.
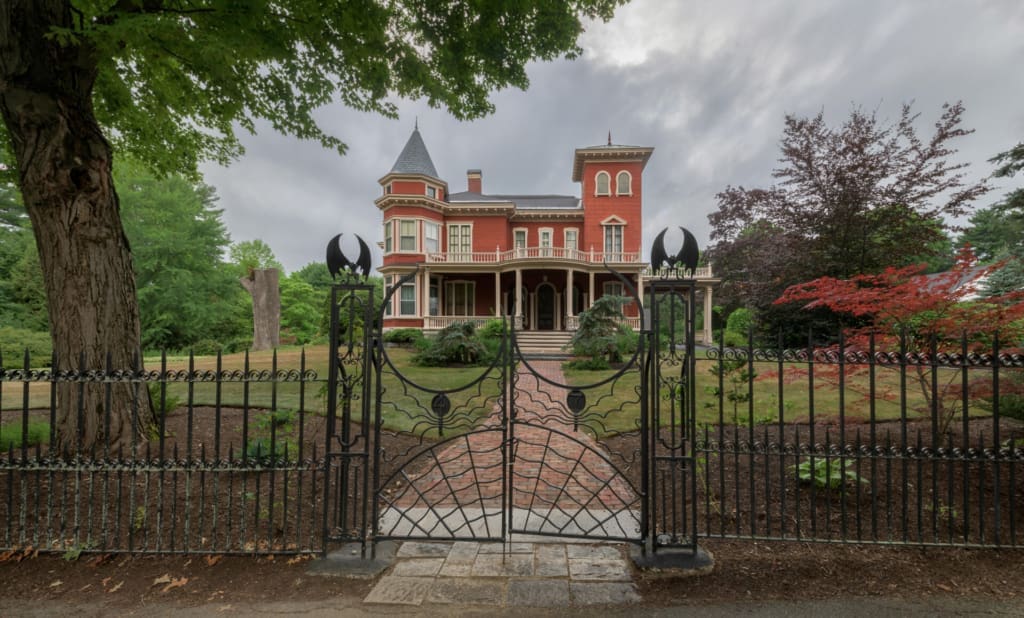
[549, 343]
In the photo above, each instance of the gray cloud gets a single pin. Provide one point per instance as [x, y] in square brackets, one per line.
[706, 83]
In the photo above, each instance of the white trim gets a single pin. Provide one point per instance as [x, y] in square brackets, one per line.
[439, 225]
[526, 237]
[614, 220]
[415, 299]
[565, 238]
[448, 238]
[545, 250]
[609, 284]
[629, 183]
[597, 183]
[415, 235]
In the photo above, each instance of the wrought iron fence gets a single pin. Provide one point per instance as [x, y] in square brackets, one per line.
[235, 464]
[862, 445]
[830, 445]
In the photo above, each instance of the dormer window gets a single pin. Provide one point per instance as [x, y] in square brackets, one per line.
[623, 183]
[602, 184]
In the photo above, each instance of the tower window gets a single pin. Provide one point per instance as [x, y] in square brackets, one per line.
[602, 182]
[623, 183]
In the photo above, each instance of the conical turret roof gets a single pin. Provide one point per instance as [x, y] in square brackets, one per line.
[414, 158]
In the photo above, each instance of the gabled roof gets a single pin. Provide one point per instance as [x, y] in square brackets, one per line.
[414, 158]
[521, 202]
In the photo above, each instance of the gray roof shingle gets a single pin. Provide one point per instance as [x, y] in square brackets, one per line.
[523, 202]
[414, 158]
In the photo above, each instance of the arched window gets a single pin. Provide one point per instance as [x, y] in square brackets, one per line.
[623, 184]
[602, 183]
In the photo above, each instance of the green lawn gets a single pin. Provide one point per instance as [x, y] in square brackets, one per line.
[613, 406]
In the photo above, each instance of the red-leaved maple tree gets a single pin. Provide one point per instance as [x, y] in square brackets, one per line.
[924, 316]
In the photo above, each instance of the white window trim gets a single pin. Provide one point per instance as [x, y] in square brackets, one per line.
[415, 300]
[448, 237]
[607, 286]
[597, 183]
[415, 235]
[389, 227]
[622, 236]
[546, 251]
[629, 183]
[438, 225]
[565, 237]
[526, 236]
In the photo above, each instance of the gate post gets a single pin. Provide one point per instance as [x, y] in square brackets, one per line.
[669, 413]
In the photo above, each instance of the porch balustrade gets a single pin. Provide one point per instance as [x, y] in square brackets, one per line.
[535, 253]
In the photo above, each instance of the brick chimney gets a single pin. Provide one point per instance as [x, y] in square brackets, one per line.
[475, 181]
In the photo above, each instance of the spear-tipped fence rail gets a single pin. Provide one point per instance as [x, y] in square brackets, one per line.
[839, 445]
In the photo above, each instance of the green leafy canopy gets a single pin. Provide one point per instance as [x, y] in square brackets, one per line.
[177, 77]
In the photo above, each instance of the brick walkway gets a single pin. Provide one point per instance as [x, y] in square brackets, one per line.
[561, 483]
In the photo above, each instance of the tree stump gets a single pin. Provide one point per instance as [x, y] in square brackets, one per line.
[262, 285]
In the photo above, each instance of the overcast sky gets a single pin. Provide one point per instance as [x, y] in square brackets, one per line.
[706, 83]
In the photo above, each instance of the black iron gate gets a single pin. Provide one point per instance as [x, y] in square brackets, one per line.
[523, 445]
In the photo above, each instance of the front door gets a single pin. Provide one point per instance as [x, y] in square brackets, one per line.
[545, 307]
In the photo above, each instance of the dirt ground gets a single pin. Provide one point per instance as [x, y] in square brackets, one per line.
[744, 571]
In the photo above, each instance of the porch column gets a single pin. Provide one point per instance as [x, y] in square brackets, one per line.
[640, 286]
[591, 299]
[570, 302]
[425, 295]
[497, 294]
[707, 315]
[517, 319]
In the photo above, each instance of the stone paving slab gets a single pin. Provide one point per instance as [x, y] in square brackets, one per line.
[503, 565]
[392, 590]
[593, 552]
[418, 567]
[512, 548]
[600, 570]
[538, 593]
[604, 593]
[540, 575]
[467, 592]
[416, 549]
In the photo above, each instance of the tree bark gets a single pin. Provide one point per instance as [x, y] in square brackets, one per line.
[64, 168]
[262, 285]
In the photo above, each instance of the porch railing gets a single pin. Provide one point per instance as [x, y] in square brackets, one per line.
[535, 253]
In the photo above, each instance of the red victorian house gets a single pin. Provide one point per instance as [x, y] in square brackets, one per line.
[539, 259]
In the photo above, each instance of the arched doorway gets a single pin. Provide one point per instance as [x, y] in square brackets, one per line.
[545, 306]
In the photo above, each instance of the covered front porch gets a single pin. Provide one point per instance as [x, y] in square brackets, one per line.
[533, 299]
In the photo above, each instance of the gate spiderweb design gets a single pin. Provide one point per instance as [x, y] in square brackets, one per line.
[560, 483]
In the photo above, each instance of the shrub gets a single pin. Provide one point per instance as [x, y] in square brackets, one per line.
[455, 344]
[259, 451]
[403, 335]
[587, 364]
[740, 321]
[14, 342]
[827, 473]
[600, 333]
[171, 402]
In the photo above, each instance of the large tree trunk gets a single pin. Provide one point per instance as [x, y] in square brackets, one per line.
[64, 168]
[262, 284]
